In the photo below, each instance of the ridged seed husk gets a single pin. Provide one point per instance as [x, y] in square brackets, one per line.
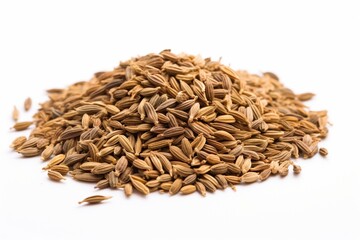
[55, 176]
[175, 186]
[95, 199]
[62, 169]
[20, 126]
[141, 187]
[18, 142]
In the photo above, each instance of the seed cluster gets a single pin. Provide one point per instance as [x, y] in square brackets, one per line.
[173, 123]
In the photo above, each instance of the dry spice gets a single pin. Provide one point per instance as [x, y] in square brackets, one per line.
[15, 114]
[173, 123]
[95, 199]
[27, 104]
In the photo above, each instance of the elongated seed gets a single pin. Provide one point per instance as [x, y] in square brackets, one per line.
[95, 199]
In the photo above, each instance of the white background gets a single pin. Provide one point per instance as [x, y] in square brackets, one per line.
[312, 45]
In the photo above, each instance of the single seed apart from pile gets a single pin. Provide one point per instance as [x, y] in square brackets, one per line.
[95, 199]
[15, 114]
[323, 152]
[27, 104]
[173, 123]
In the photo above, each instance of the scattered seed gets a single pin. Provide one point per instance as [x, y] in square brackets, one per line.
[95, 199]
[323, 151]
[27, 104]
[20, 126]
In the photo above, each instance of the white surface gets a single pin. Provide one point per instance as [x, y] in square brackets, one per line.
[313, 46]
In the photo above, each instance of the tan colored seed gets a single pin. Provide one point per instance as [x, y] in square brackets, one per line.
[176, 186]
[200, 188]
[128, 189]
[179, 154]
[56, 160]
[323, 152]
[265, 174]
[249, 177]
[15, 114]
[87, 177]
[20, 126]
[55, 176]
[95, 199]
[188, 189]
[27, 104]
[141, 187]
[62, 169]
[18, 142]
[102, 168]
[296, 169]
[141, 164]
[29, 152]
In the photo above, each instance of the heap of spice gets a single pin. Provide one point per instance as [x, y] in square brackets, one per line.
[172, 123]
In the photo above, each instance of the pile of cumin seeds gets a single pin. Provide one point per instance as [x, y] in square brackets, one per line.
[176, 124]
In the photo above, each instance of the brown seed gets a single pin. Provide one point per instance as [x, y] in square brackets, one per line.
[128, 189]
[18, 142]
[178, 154]
[102, 184]
[55, 176]
[188, 189]
[15, 114]
[139, 186]
[87, 177]
[176, 186]
[95, 199]
[249, 177]
[20, 126]
[62, 169]
[29, 152]
[27, 104]
[297, 169]
[56, 160]
[323, 152]
[265, 174]
[200, 188]
[102, 168]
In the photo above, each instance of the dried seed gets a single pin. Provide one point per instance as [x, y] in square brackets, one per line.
[27, 104]
[139, 186]
[200, 188]
[188, 189]
[128, 189]
[249, 177]
[62, 169]
[102, 184]
[18, 142]
[20, 126]
[296, 169]
[87, 177]
[178, 154]
[95, 199]
[29, 152]
[15, 114]
[323, 152]
[55, 176]
[175, 186]
[264, 174]
[102, 168]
